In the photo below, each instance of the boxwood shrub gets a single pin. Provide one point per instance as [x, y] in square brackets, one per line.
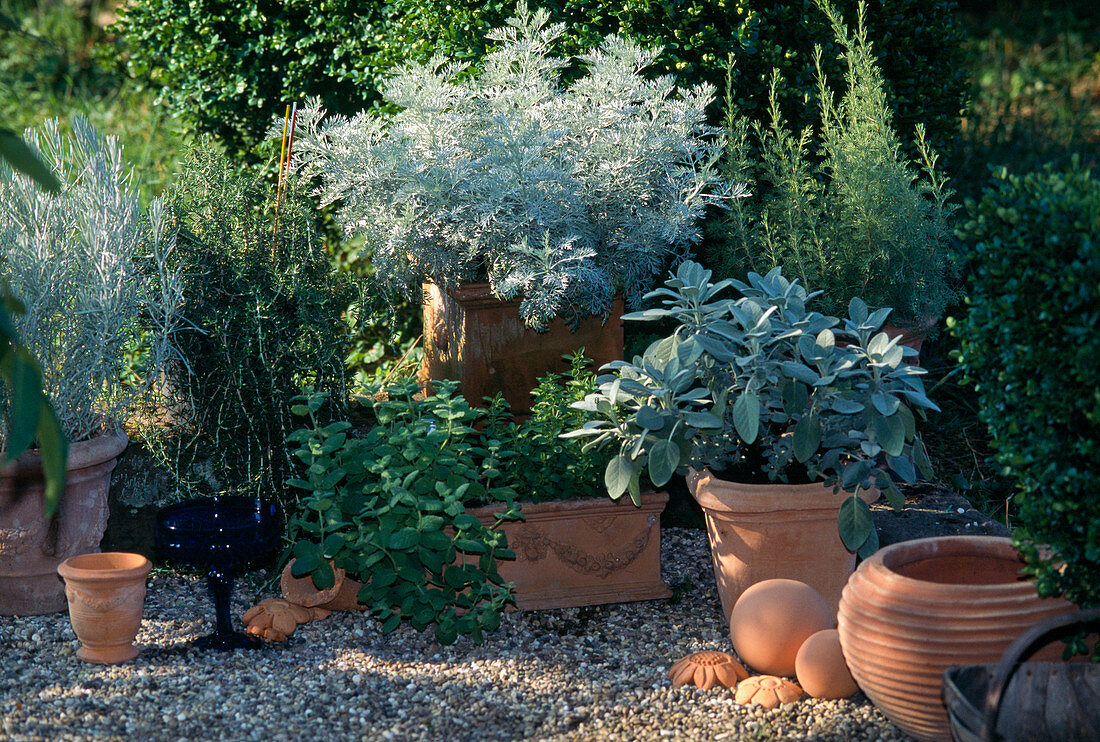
[227, 66]
[1029, 343]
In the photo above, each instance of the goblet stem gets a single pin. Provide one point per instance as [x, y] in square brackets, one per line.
[220, 584]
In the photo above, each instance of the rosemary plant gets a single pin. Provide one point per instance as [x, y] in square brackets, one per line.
[842, 208]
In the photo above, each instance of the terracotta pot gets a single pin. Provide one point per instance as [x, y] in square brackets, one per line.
[911, 335]
[584, 552]
[474, 338]
[32, 547]
[918, 607]
[764, 531]
[106, 594]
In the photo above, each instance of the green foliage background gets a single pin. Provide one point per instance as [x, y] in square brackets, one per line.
[225, 67]
[1029, 344]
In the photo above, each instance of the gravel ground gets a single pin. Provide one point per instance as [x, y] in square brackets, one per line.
[596, 673]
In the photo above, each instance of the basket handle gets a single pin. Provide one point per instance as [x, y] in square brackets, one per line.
[1025, 645]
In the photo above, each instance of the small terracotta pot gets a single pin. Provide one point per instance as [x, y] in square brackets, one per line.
[916, 608]
[760, 532]
[911, 335]
[106, 594]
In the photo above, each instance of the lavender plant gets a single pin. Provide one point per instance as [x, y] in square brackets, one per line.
[562, 195]
[90, 267]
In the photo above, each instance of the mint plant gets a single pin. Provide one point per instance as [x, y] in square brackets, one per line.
[390, 509]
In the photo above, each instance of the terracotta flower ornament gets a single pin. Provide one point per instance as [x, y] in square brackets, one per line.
[707, 669]
[276, 618]
[767, 691]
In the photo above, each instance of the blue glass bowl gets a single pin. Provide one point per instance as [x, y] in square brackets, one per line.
[224, 536]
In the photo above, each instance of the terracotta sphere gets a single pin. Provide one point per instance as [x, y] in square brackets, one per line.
[770, 621]
[821, 669]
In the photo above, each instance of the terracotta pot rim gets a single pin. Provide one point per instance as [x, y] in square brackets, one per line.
[475, 294]
[102, 447]
[884, 562]
[899, 645]
[714, 494]
[97, 567]
[588, 503]
[996, 598]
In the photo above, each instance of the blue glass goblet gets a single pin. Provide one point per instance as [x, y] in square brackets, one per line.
[224, 536]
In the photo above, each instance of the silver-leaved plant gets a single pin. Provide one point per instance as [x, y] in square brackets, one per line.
[90, 268]
[761, 388]
[564, 195]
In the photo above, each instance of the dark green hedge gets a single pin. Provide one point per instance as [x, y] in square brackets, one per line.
[1030, 344]
[227, 66]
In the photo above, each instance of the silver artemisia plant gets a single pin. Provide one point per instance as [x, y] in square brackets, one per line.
[564, 195]
[90, 267]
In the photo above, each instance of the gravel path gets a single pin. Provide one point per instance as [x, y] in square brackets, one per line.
[597, 673]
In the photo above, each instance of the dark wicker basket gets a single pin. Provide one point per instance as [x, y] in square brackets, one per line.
[1018, 701]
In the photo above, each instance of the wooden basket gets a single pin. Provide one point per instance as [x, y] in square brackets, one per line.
[1023, 701]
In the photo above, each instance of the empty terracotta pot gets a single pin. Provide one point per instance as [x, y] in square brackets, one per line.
[759, 532]
[918, 607]
[106, 594]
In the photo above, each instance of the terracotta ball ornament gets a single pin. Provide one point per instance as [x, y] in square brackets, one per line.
[771, 619]
[275, 619]
[767, 691]
[707, 669]
[821, 669]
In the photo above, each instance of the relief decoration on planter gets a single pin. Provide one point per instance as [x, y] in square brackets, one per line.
[532, 545]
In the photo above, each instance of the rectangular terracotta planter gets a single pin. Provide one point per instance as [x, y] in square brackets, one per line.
[584, 552]
[480, 341]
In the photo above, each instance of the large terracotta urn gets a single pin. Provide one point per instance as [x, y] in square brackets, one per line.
[473, 337]
[916, 608]
[761, 532]
[106, 595]
[32, 546]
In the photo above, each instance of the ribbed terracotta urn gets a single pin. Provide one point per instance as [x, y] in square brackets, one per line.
[106, 594]
[760, 532]
[916, 608]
